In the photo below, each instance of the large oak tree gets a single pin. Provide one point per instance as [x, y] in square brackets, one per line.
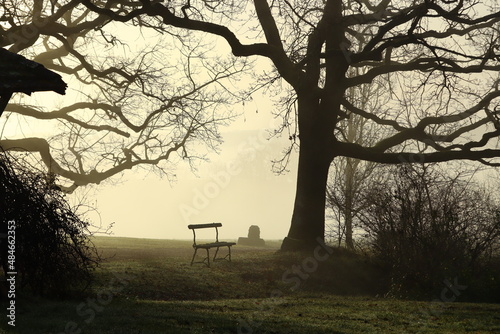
[440, 56]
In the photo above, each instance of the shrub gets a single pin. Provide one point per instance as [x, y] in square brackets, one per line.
[53, 252]
[428, 227]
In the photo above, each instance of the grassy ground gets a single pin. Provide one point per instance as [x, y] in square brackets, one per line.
[147, 286]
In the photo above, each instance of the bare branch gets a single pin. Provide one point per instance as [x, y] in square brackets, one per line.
[369, 154]
[63, 114]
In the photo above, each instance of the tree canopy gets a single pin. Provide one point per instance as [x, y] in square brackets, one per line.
[151, 103]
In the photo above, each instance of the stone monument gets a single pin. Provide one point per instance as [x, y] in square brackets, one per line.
[253, 238]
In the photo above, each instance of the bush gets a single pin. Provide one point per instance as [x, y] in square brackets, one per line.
[428, 226]
[53, 254]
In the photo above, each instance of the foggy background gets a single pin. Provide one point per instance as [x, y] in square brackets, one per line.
[236, 187]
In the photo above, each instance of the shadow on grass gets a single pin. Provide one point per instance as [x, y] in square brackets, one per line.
[298, 314]
[254, 273]
[141, 316]
[162, 293]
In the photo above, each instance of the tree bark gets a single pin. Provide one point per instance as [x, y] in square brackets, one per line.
[317, 147]
[317, 116]
[308, 219]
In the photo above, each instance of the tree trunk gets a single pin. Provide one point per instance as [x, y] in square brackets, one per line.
[348, 230]
[308, 219]
[318, 111]
[349, 205]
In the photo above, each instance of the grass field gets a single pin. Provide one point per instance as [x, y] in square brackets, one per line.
[147, 286]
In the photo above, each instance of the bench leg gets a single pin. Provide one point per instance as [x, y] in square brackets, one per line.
[227, 257]
[192, 260]
[208, 257]
[205, 259]
[216, 251]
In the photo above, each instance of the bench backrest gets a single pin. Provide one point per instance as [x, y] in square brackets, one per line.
[194, 227]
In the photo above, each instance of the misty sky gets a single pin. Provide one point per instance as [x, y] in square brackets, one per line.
[236, 188]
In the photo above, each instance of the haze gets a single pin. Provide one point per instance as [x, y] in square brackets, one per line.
[236, 187]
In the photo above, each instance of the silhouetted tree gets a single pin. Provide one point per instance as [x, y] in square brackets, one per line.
[440, 56]
[157, 103]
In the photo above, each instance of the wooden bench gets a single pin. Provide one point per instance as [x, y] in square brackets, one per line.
[217, 244]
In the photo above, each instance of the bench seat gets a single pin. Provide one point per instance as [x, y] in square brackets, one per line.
[215, 244]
